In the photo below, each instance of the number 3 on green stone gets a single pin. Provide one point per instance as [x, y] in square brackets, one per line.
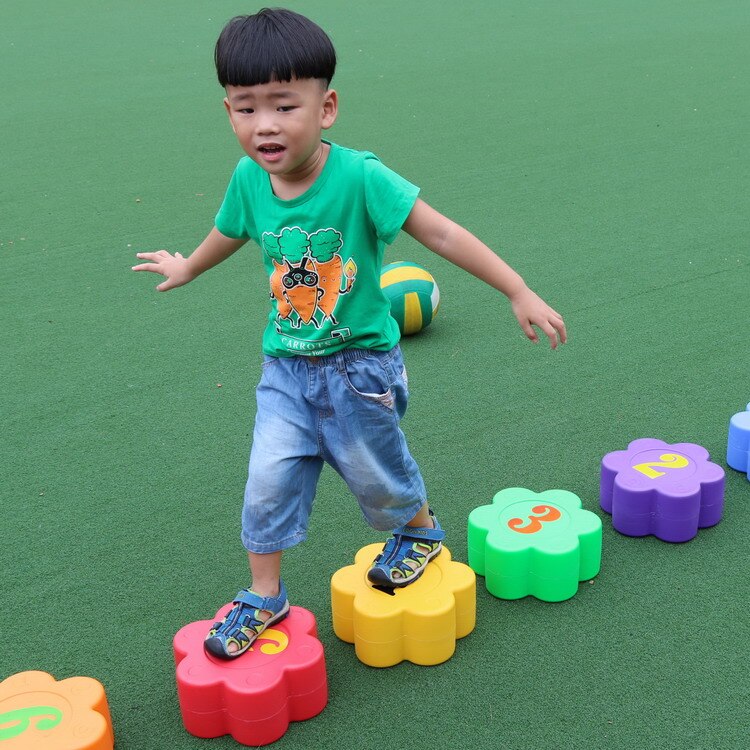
[535, 522]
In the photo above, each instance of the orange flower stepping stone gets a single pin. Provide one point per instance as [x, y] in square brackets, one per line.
[39, 713]
[254, 697]
[418, 623]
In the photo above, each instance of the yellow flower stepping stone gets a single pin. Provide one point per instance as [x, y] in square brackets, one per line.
[418, 623]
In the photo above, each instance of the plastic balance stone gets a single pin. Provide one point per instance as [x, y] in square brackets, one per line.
[39, 713]
[534, 544]
[666, 490]
[255, 696]
[418, 623]
[738, 444]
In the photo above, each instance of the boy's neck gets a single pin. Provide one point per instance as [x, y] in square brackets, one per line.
[290, 186]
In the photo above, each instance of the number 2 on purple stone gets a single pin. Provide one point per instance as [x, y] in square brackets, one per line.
[668, 461]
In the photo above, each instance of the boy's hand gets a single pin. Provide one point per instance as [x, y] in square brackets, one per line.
[175, 268]
[531, 310]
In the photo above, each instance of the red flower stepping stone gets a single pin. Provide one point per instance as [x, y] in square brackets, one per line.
[253, 698]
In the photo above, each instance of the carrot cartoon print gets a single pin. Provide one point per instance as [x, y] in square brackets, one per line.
[301, 289]
[295, 282]
[271, 246]
[277, 289]
[307, 275]
[324, 247]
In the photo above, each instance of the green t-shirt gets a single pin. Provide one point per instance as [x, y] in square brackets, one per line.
[323, 251]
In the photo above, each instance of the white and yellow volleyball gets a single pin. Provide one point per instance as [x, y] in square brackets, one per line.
[413, 294]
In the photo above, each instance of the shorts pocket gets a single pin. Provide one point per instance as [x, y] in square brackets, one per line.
[369, 379]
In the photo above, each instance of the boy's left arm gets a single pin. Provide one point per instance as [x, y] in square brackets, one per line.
[456, 244]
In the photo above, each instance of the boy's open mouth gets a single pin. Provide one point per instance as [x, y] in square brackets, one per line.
[271, 148]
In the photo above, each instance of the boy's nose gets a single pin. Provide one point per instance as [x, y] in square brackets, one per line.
[267, 125]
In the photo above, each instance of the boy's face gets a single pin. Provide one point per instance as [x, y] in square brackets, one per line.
[278, 124]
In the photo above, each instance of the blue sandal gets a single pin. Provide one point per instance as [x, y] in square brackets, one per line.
[406, 554]
[243, 625]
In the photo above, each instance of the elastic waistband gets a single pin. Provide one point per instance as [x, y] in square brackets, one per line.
[342, 358]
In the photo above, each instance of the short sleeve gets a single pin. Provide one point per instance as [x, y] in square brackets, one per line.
[235, 218]
[389, 198]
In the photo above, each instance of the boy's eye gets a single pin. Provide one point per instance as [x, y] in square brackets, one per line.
[246, 111]
[286, 108]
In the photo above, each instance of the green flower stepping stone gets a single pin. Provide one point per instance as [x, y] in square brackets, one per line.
[534, 544]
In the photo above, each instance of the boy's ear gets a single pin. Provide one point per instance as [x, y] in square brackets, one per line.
[229, 112]
[330, 108]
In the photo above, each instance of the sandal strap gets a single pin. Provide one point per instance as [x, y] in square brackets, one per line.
[400, 545]
[419, 533]
[250, 598]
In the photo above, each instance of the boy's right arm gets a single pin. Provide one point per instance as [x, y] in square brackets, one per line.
[179, 270]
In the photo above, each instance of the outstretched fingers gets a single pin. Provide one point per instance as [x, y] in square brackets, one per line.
[169, 266]
[559, 325]
[528, 329]
[552, 326]
[551, 333]
[154, 266]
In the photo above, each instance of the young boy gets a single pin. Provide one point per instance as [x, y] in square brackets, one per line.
[333, 386]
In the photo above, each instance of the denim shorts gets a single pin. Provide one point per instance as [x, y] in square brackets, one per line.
[343, 409]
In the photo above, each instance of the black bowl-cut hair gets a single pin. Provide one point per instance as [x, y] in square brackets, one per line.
[274, 44]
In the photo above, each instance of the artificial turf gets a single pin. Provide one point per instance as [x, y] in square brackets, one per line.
[599, 147]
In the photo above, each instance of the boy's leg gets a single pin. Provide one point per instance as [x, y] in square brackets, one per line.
[367, 447]
[282, 477]
[265, 571]
[423, 518]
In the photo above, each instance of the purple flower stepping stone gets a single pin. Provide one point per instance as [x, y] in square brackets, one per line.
[666, 490]
[738, 444]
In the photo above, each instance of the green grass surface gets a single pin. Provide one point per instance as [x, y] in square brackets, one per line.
[600, 147]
